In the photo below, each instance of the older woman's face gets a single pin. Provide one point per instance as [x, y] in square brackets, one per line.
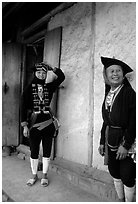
[114, 75]
[41, 74]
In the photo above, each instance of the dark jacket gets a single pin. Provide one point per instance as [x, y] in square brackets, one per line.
[27, 104]
[123, 114]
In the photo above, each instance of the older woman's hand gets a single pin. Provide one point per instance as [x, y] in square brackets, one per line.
[121, 153]
[101, 150]
[26, 131]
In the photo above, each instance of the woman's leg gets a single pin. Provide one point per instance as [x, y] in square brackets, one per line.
[34, 139]
[114, 170]
[129, 193]
[34, 166]
[128, 175]
[47, 138]
[119, 186]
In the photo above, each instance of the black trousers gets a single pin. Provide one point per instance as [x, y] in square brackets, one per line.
[122, 169]
[45, 135]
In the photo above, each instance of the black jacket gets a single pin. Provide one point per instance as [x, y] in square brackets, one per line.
[123, 114]
[27, 97]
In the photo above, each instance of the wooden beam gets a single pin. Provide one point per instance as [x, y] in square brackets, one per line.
[46, 18]
[35, 37]
[15, 7]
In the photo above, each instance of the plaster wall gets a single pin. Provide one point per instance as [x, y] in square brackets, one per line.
[73, 104]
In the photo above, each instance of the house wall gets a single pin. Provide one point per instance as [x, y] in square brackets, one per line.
[73, 111]
[112, 28]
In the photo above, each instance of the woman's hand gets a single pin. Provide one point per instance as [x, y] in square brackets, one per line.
[26, 131]
[121, 153]
[47, 65]
[101, 150]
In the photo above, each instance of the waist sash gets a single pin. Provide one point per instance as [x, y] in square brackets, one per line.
[42, 125]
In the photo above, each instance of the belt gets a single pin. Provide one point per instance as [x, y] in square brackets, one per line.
[113, 148]
[42, 125]
[116, 127]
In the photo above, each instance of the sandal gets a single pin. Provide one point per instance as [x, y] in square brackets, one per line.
[44, 182]
[31, 181]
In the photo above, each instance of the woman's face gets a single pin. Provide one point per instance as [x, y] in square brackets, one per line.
[114, 75]
[41, 74]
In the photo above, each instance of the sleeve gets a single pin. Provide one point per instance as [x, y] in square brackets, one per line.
[130, 133]
[102, 139]
[25, 103]
[103, 129]
[59, 80]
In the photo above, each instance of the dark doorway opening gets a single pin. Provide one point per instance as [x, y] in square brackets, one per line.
[34, 54]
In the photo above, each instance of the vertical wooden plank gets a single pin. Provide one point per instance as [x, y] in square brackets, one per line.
[52, 47]
[91, 88]
[22, 85]
[52, 51]
[11, 55]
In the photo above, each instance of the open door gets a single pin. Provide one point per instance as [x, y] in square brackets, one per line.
[11, 68]
[52, 51]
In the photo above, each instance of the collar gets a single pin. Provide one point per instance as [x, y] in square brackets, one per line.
[114, 91]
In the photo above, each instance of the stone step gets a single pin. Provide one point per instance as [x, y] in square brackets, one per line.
[98, 183]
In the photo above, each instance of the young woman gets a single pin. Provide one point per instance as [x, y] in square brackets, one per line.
[119, 127]
[37, 119]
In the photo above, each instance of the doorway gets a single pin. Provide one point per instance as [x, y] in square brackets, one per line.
[47, 49]
[34, 54]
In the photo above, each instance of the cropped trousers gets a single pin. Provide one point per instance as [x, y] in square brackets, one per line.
[122, 169]
[45, 135]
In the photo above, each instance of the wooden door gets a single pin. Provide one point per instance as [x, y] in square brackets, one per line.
[52, 51]
[11, 66]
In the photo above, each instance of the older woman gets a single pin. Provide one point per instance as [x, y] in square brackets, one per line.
[37, 119]
[119, 127]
